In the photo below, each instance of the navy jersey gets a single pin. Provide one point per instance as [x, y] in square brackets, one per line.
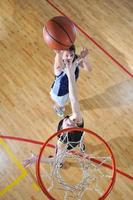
[60, 85]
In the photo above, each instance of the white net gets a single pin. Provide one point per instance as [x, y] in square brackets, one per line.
[77, 173]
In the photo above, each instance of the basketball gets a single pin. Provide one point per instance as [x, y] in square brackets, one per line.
[59, 33]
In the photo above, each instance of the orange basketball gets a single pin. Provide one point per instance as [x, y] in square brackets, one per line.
[59, 33]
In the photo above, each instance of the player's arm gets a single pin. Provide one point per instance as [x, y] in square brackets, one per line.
[33, 159]
[58, 63]
[70, 70]
[83, 59]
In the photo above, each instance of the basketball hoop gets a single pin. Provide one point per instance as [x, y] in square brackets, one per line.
[92, 168]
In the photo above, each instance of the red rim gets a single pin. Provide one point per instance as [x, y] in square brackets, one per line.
[38, 175]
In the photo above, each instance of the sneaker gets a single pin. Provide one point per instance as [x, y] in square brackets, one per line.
[61, 165]
[59, 111]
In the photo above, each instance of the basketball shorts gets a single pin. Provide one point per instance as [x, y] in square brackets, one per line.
[60, 100]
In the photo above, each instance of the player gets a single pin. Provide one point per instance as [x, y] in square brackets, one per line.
[74, 120]
[59, 90]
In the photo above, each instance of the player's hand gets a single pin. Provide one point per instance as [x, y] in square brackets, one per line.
[84, 53]
[58, 52]
[28, 162]
[68, 62]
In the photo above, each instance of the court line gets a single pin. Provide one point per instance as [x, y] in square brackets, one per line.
[18, 164]
[52, 146]
[124, 68]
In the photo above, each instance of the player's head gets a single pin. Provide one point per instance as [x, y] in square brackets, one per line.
[69, 122]
[69, 54]
[72, 49]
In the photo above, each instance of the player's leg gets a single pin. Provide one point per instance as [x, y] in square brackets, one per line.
[60, 102]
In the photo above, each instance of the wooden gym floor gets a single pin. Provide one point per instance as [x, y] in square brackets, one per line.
[26, 74]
